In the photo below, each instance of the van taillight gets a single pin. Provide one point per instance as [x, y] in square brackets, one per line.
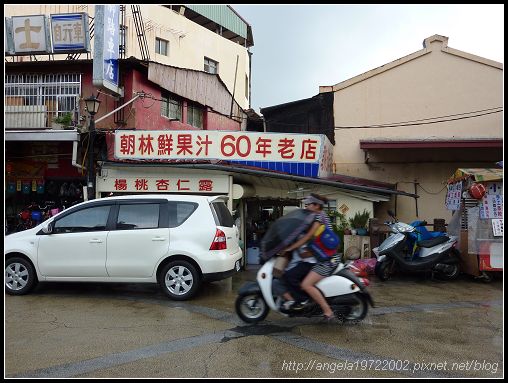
[219, 242]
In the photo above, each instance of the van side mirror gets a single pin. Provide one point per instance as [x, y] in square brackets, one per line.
[47, 228]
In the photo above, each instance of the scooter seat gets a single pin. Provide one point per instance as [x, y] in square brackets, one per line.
[433, 242]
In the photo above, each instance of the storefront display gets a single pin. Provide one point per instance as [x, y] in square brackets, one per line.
[39, 179]
[476, 197]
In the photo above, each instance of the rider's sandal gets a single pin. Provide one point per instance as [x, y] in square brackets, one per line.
[328, 319]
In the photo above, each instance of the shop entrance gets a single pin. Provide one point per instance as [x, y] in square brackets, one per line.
[259, 214]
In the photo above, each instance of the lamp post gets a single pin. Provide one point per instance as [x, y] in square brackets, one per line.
[92, 106]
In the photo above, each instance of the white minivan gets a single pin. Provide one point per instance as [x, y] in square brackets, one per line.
[177, 241]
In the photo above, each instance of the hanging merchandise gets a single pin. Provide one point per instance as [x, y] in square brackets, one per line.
[52, 188]
[64, 190]
[11, 187]
[40, 187]
[34, 185]
[26, 188]
[477, 190]
[18, 185]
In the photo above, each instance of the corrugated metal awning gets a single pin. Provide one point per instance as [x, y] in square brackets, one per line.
[42, 135]
[256, 176]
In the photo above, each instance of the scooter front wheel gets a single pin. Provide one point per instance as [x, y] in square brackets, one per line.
[251, 307]
[358, 311]
[383, 270]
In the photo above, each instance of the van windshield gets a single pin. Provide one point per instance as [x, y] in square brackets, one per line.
[222, 215]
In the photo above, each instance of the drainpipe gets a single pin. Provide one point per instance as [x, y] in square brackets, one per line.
[75, 156]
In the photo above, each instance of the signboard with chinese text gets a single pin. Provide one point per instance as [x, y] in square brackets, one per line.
[184, 145]
[188, 183]
[30, 35]
[302, 154]
[491, 206]
[69, 32]
[497, 227]
[106, 47]
[453, 196]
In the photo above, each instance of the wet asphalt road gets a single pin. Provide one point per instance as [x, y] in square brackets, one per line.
[418, 329]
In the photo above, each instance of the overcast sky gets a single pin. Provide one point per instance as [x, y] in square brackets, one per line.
[298, 48]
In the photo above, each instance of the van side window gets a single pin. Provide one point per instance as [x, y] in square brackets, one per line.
[179, 211]
[90, 219]
[138, 216]
[222, 215]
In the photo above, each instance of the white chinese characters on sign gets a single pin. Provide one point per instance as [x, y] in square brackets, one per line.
[165, 183]
[180, 145]
[111, 48]
[29, 33]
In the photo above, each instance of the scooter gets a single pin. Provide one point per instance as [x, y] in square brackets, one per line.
[437, 255]
[421, 234]
[344, 292]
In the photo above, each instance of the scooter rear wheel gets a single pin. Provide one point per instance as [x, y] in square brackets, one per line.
[455, 272]
[251, 307]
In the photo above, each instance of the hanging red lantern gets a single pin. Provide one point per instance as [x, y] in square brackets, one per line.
[477, 191]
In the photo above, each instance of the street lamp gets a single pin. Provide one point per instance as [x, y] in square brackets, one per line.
[92, 106]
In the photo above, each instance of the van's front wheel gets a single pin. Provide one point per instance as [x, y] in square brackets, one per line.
[251, 307]
[20, 276]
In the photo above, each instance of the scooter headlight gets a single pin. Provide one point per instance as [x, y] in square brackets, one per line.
[404, 227]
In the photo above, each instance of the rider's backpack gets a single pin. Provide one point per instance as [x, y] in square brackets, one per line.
[324, 244]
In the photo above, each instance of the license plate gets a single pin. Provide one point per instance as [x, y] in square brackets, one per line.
[237, 265]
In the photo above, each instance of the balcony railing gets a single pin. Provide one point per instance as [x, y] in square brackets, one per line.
[41, 101]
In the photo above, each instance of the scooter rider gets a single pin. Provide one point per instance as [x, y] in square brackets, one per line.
[315, 203]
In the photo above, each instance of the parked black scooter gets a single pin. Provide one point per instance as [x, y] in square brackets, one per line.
[437, 255]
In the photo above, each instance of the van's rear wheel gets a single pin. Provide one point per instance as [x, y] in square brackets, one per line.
[179, 280]
[251, 307]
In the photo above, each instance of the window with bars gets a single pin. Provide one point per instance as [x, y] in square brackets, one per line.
[195, 116]
[161, 46]
[36, 100]
[171, 107]
[211, 66]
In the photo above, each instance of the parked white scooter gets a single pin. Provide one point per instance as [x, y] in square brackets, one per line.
[344, 291]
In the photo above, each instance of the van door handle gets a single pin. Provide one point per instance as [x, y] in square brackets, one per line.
[158, 239]
[95, 241]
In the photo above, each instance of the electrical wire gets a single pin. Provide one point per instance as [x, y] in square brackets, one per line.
[428, 192]
[400, 124]
[416, 122]
[396, 125]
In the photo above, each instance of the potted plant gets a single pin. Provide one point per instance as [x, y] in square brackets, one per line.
[340, 226]
[63, 120]
[359, 222]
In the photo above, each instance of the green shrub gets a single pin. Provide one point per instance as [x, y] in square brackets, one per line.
[360, 220]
